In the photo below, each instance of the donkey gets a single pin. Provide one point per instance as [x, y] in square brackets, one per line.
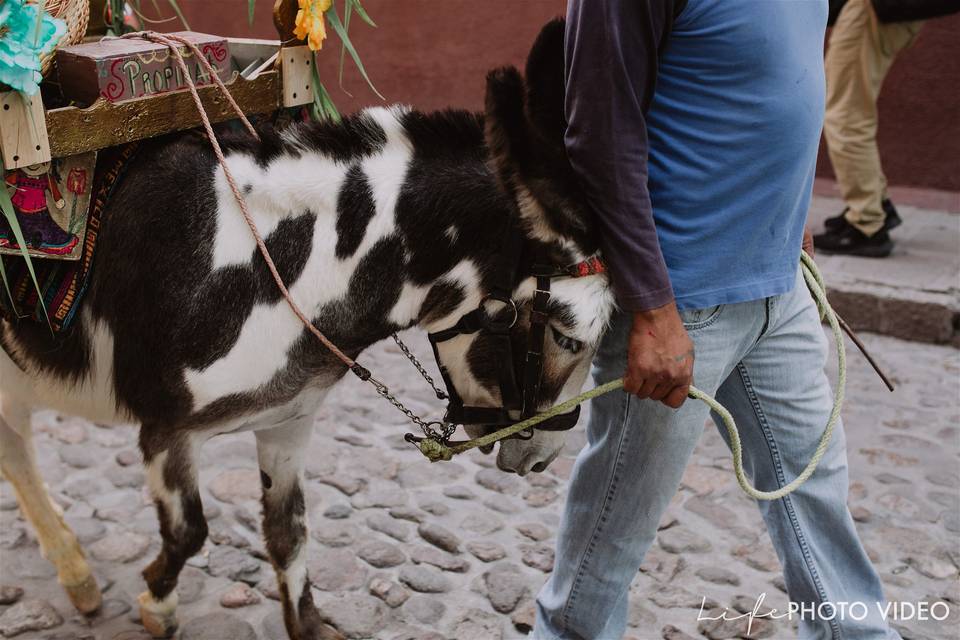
[389, 219]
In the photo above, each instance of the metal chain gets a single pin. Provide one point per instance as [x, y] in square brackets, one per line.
[446, 429]
[441, 394]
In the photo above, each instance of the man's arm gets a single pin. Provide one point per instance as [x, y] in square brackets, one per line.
[611, 60]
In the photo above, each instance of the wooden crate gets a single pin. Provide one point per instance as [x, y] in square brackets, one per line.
[75, 130]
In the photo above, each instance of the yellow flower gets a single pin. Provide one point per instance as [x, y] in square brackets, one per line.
[309, 24]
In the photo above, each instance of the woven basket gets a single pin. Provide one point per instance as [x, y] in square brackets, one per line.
[76, 13]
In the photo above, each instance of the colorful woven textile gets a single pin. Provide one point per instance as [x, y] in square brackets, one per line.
[63, 283]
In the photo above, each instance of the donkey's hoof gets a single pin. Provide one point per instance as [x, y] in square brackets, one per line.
[158, 618]
[85, 595]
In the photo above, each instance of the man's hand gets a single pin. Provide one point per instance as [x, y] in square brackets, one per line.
[807, 242]
[659, 357]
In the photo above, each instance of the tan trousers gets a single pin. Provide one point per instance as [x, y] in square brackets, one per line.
[861, 51]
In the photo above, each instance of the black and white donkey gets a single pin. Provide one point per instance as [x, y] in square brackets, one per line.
[387, 220]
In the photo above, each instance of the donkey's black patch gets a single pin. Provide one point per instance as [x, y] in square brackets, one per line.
[361, 317]
[354, 136]
[355, 210]
[226, 297]
[440, 301]
[283, 528]
[442, 134]
[264, 151]
[289, 246]
[448, 183]
[180, 539]
[65, 356]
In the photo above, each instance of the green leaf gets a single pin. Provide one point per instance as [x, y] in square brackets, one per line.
[116, 16]
[250, 6]
[6, 285]
[323, 107]
[334, 19]
[6, 205]
[361, 12]
[347, 12]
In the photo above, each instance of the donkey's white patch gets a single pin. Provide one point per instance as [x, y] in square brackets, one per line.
[452, 233]
[288, 187]
[163, 608]
[295, 574]
[291, 186]
[386, 171]
[158, 489]
[407, 308]
[590, 300]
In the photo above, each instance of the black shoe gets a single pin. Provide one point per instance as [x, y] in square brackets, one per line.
[892, 220]
[853, 242]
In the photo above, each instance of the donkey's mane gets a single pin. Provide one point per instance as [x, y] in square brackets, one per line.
[448, 131]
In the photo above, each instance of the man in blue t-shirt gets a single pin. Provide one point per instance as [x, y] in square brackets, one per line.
[693, 126]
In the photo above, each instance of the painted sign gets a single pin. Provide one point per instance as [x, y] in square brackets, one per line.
[120, 70]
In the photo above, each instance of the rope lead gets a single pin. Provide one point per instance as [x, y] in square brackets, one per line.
[435, 450]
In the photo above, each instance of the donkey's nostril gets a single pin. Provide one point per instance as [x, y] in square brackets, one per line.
[539, 467]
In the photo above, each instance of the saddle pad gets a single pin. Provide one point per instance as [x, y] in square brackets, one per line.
[63, 283]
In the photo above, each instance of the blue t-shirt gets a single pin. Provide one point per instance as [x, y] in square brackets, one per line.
[733, 134]
[694, 127]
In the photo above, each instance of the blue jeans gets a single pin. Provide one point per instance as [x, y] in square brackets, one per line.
[763, 360]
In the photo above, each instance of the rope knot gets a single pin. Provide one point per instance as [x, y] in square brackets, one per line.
[435, 451]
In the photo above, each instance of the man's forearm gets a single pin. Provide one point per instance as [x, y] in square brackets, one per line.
[612, 58]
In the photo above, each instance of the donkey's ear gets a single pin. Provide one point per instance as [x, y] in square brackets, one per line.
[505, 121]
[546, 83]
[524, 131]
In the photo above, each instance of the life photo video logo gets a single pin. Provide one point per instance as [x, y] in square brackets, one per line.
[937, 610]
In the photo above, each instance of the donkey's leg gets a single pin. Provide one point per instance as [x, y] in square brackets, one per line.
[281, 452]
[57, 542]
[172, 477]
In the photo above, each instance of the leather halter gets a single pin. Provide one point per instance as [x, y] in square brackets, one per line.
[496, 325]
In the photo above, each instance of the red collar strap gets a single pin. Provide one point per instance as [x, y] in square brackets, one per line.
[589, 267]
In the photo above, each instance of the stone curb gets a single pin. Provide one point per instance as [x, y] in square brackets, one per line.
[935, 320]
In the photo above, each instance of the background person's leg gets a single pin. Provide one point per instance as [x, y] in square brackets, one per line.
[626, 475]
[860, 54]
[781, 400]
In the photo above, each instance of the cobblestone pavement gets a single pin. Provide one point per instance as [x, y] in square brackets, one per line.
[404, 549]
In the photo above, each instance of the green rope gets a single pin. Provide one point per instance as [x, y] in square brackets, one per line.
[435, 450]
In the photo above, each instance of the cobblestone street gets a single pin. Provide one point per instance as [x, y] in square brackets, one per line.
[403, 549]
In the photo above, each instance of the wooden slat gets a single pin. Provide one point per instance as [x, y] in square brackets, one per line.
[105, 124]
[23, 136]
[296, 68]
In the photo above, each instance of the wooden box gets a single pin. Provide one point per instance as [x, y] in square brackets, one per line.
[119, 70]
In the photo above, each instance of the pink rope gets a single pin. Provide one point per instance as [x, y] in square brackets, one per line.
[171, 41]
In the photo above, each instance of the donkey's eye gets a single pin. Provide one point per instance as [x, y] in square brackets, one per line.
[566, 342]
